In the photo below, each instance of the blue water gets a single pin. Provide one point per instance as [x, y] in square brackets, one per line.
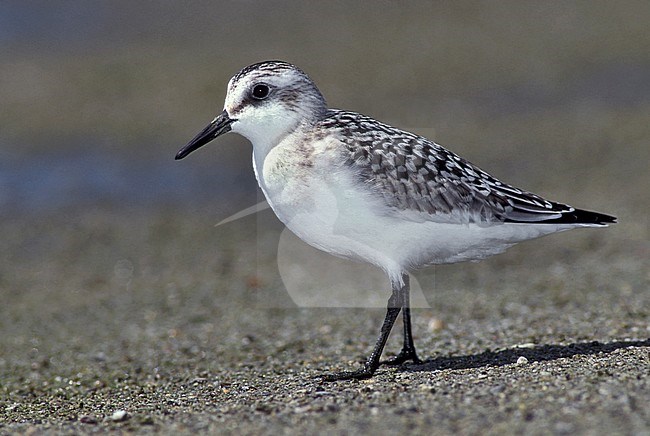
[49, 182]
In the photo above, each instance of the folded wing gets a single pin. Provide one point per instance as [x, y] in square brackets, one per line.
[423, 180]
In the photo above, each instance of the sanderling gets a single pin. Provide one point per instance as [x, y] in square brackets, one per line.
[361, 189]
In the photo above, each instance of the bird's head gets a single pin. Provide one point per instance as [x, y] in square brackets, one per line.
[264, 102]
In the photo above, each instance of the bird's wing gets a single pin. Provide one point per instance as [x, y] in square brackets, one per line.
[413, 174]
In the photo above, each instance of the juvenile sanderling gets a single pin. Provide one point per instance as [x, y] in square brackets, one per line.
[361, 189]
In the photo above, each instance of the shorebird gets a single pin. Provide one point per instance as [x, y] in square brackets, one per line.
[360, 189]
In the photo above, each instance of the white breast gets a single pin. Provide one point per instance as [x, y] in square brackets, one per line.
[313, 193]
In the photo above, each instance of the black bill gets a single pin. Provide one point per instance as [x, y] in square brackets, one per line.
[217, 127]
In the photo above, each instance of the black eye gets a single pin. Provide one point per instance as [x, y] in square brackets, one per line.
[260, 91]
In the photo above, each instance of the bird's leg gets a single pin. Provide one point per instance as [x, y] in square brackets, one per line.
[371, 365]
[408, 349]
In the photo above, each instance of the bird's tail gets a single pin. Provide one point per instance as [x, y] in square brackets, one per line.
[581, 216]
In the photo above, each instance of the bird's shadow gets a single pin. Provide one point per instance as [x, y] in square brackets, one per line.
[509, 356]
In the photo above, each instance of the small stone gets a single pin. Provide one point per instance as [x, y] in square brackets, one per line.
[522, 360]
[87, 419]
[119, 416]
[525, 345]
[436, 324]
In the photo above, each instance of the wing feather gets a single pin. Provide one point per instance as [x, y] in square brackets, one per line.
[414, 174]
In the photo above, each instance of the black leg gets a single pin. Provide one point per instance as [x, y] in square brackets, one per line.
[408, 349]
[371, 365]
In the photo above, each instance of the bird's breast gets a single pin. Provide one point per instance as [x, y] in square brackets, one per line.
[315, 196]
[285, 176]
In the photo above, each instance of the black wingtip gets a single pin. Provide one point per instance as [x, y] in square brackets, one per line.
[587, 217]
[576, 216]
[581, 216]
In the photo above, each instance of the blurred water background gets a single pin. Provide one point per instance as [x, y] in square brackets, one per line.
[97, 96]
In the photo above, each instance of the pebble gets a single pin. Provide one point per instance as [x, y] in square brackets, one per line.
[87, 419]
[436, 324]
[526, 345]
[522, 360]
[119, 416]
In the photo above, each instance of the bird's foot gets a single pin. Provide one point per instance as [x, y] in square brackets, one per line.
[366, 371]
[403, 356]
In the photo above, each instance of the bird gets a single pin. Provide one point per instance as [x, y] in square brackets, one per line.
[363, 190]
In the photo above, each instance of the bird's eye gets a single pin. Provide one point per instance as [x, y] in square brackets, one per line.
[260, 91]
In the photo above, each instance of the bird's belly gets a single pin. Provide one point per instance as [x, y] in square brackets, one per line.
[337, 216]
[328, 212]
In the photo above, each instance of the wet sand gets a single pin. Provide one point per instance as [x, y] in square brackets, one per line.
[187, 327]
